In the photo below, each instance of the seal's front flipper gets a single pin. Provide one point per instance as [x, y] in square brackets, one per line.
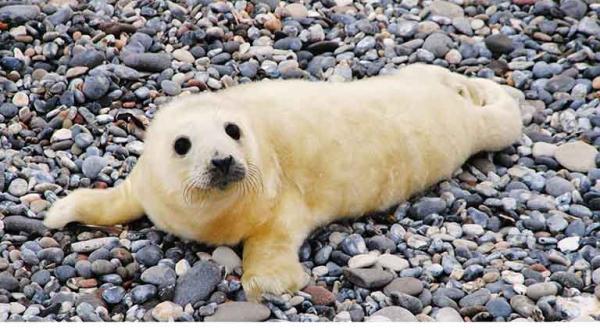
[95, 207]
[271, 264]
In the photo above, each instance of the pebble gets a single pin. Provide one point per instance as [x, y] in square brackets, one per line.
[225, 256]
[149, 62]
[477, 298]
[412, 304]
[296, 10]
[438, 44]
[238, 311]
[320, 295]
[8, 110]
[446, 9]
[392, 262]
[8, 282]
[567, 279]
[84, 268]
[427, 206]
[181, 267]
[149, 255]
[354, 244]
[343, 316]
[381, 243]
[167, 311]
[62, 134]
[94, 244]
[17, 224]
[183, 56]
[473, 230]
[143, 293]
[18, 187]
[41, 277]
[160, 276]
[407, 285]
[557, 186]
[560, 83]
[394, 314]
[589, 26]
[19, 12]
[102, 267]
[556, 223]
[88, 58]
[512, 277]
[20, 99]
[577, 156]
[596, 83]
[362, 261]
[52, 255]
[448, 314]
[365, 45]
[197, 283]
[113, 295]
[499, 43]
[569, 244]
[92, 166]
[95, 87]
[498, 307]
[64, 272]
[170, 88]
[538, 290]
[369, 278]
[16, 308]
[525, 307]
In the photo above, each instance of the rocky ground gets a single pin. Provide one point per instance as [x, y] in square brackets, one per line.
[512, 236]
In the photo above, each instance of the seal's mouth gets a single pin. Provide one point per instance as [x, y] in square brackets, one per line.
[223, 171]
[222, 180]
[217, 176]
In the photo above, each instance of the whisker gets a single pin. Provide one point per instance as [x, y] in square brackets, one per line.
[194, 188]
[255, 177]
[190, 188]
[187, 185]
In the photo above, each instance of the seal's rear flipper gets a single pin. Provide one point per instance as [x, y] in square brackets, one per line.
[501, 123]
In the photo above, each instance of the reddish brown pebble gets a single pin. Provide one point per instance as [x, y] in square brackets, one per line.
[232, 278]
[87, 283]
[273, 24]
[100, 185]
[196, 83]
[538, 267]
[320, 295]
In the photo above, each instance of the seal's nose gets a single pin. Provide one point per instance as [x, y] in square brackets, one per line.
[222, 164]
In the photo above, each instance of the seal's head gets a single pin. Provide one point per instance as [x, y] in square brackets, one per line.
[217, 168]
[203, 150]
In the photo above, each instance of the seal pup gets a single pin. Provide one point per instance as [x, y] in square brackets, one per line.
[268, 162]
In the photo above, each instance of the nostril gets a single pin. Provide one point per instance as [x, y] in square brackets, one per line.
[222, 164]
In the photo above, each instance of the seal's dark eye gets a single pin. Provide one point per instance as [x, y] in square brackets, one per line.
[182, 145]
[233, 131]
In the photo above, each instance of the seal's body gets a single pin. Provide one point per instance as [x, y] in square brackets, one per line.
[266, 163]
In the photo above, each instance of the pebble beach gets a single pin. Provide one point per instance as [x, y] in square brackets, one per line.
[512, 236]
